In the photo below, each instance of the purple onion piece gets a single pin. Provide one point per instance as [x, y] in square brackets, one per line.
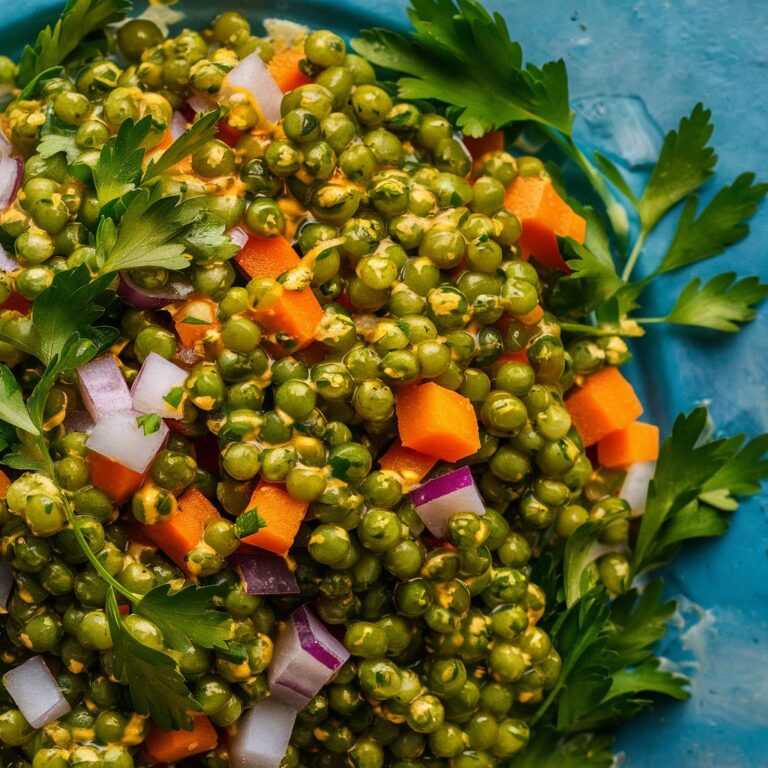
[11, 172]
[238, 236]
[437, 499]
[103, 387]
[7, 263]
[316, 640]
[177, 288]
[177, 125]
[265, 574]
[79, 421]
[442, 486]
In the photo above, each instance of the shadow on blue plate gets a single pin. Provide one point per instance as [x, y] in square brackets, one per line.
[635, 68]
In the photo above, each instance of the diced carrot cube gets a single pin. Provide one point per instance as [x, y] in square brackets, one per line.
[117, 481]
[282, 514]
[604, 403]
[412, 465]
[635, 443]
[172, 746]
[284, 68]
[544, 216]
[183, 530]
[194, 319]
[437, 421]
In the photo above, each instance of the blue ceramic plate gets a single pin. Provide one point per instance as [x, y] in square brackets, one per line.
[635, 69]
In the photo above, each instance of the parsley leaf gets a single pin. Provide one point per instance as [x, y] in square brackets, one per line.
[672, 513]
[174, 397]
[548, 750]
[249, 522]
[155, 681]
[184, 618]
[720, 303]
[191, 320]
[463, 56]
[207, 239]
[720, 224]
[149, 233]
[595, 277]
[118, 169]
[189, 141]
[70, 305]
[78, 19]
[150, 422]
[685, 163]
[578, 555]
[12, 408]
[740, 475]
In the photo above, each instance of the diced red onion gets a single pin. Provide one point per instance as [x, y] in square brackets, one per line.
[157, 377]
[177, 125]
[252, 75]
[635, 488]
[306, 657]
[177, 288]
[119, 437]
[32, 686]
[265, 574]
[6, 583]
[7, 263]
[11, 171]
[437, 499]
[238, 236]
[262, 735]
[103, 387]
[79, 421]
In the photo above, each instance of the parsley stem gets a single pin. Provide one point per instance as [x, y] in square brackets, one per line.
[615, 211]
[634, 256]
[647, 320]
[88, 552]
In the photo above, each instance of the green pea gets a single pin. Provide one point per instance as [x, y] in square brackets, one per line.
[358, 163]
[329, 544]
[371, 104]
[374, 401]
[335, 203]
[338, 80]
[155, 339]
[337, 129]
[386, 147]
[42, 633]
[452, 157]
[34, 246]
[432, 130]
[137, 36]
[324, 48]
[313, 97]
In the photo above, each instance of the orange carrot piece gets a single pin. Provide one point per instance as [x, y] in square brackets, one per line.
[491, 142]
[412, 465]
[636, 442]
[172, 746]
[437, 421]
[194, 319]
[267, 256]
[117, 481]
[544, 215]
[284, 68]
[182, 531]
[5, 483]
[605, 403]
[294, 314]
[281, 513]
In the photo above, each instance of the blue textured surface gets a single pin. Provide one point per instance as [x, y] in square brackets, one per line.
[669, 54]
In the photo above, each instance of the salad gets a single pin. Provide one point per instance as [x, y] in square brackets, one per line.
[316, 446]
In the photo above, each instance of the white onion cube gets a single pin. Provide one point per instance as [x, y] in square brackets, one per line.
[32, 686]
[437, 499]
[120, 437]
[262, 735]
[103, 387]
[635, 488]
[159, 379]
[253, 76]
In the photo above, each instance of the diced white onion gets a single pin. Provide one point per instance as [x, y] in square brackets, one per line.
[32, 686]
[635, 488]
[177, 125]
[437, 499]
[103, 387]
[119, 437]
[156, 378]
[253, 76]
[262, 735]
[11, 171]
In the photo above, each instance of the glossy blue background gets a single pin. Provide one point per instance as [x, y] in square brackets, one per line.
[670, 54]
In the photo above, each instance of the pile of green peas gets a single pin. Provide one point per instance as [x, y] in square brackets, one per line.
[420, 278]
